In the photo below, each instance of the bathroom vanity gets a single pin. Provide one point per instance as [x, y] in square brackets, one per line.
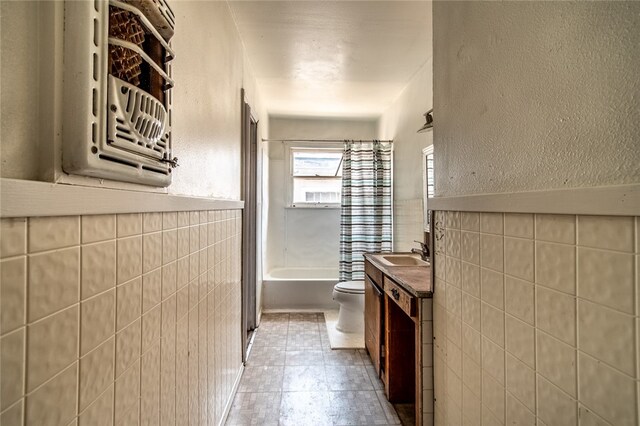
[398, 328]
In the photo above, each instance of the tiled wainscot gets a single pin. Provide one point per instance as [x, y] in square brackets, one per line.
[120, 319]
[536, 319]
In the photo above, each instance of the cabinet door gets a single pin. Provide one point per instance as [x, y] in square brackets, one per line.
[372, 320]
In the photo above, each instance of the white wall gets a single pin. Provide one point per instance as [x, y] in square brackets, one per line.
[400, 122]
[304, 236]
[19, 67]
[206, 107]
[535, 95]
[209, 71]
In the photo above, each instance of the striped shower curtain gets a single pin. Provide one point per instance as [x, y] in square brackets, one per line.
[366, 221]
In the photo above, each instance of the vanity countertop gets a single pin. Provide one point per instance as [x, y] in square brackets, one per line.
[414, 279]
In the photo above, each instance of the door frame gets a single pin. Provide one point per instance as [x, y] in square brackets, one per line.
[249, 138]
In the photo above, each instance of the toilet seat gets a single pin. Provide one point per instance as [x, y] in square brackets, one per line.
[350, 287]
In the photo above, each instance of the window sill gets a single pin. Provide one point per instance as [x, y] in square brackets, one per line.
[313, 206]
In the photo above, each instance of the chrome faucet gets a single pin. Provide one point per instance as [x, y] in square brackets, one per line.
[423, 251]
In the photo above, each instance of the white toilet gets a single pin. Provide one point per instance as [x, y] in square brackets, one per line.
[350, 296]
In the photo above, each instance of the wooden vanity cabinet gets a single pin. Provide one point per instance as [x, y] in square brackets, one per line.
[374, 315]
[373, 301]
[400, 351]
[393, 332]
[404, 300]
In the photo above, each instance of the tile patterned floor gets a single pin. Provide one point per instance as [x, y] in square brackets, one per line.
[292, 377]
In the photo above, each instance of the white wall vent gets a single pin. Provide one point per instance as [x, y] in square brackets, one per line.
[117, 90]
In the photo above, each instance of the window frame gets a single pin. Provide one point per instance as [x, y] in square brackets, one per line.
[426, 182]
[290, 148]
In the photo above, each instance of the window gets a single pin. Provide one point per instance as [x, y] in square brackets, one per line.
[316, 177]
[428, 182]
[430, 176]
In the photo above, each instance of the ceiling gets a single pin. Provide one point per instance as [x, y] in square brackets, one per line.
[333, 58]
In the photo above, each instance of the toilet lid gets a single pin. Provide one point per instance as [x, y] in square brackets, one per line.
[354, 287]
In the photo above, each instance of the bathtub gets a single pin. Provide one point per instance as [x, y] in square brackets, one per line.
[299, 289]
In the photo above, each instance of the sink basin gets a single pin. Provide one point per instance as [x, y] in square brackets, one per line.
[402, 260]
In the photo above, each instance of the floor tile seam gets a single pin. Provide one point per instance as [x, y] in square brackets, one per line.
[331, 412]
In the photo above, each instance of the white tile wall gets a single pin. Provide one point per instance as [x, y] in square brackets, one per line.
[519, 299]
[427, 359]
[100, 412]
[520, 340]
[556, 361]
[550, 314]
[97, 320]
[521, 382]
[53, 283]
[97, 270]
[556, 314]
[620, 272]
[492, 251]
[471, 408]
[492, 287]
[517, 413]
[13, 288]
[518, 258]
[407, 224]
[518, 225]
[56, 401]
[471, 375]
[555, 266]
[98, 228]
[14, 237]
[472, 343]
[471, 246]
[12, 365]
[52, 344]
[96, 372]
[493, 360]
[554, 406]
[470, 221]
[48, 233]
[119, 319]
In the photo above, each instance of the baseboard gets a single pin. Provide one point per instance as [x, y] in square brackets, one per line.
[227, 407]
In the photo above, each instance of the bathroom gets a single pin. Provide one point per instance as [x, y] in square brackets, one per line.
[122, 294]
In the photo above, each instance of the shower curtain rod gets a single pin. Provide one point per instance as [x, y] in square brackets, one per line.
[324, 140]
